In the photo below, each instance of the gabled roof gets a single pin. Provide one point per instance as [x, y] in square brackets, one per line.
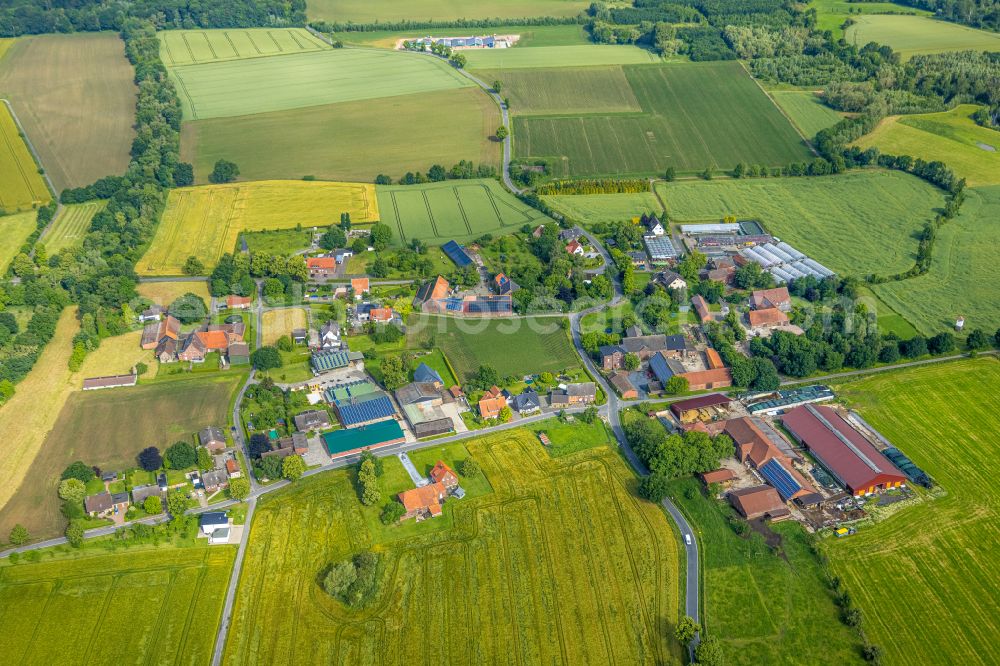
[702, 401]
[640, 343]
[359, 285]
[770, 298]
[433, 290]
[213, 340]
[456, 253]
[490, 407]
[375, 407]
[373, 435]
[425, 373]
[664, 368]
[621, 382]
[328, 263]
[675, 343]
[715, 376]
[418, 392]
[713, 359]
[98, 503]
[441, 471]
[236, 301]
[211, 434]
[527, 400]
[767, 317]
[213, 518]
[422, 498]
[701, 307]
[758, 501]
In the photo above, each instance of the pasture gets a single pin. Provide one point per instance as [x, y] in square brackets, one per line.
[541, 343]
[75, 97]
[750, 591]
[163, 603]
[235, 87]
[970, 150]
[26, 419]
[963, 274]
[685, 123]
[73, 223]
[560, 563]
[943, 581]
[567, 90]
[117, 356]
[190, 47]
[206, 221]
[573, 55]
[14, 230]
[352, 140]
[22, 188]
[913, 35]
[165, 293]
[281, 322]
[102, 428]
[855, 224]
[451, 210]
[590, 209]
[831, 14]
[807, 111]
[364, 11]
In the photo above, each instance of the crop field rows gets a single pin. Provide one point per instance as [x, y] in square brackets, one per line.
[71, 226]
[163, 604]
[206, 221]
[806, 110]
[506, 583]
[942, 581]
[684, 123]
[14, 230]
[298, 80]
[188, 47]
[449, 210]
[21, 186]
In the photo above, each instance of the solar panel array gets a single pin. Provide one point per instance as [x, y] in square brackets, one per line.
[779, 477]
[457, 254]
[365, 411]
[489, 305]
[784, 262]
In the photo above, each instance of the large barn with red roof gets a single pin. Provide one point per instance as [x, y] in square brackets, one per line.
[842, 450]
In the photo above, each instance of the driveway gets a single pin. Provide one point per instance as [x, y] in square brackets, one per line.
[411, 469]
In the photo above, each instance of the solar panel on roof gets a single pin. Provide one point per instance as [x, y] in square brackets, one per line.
[779, 477]
[456, 253]
[365, 411]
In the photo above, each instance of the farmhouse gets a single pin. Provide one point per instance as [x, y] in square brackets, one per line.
[644, 346]
[156, 332]
[759, 502]
[527, 402]
[623, 385]
[762, 299]
[427, 374]
[489, 407]
[140, 493]
[612, 357]
[238, 302]
[574, 247]
[300, 336]
[503, 285]
[314, 419]
[340, 443]
[359, 286]
[113, 381]
[843, 451]
[653, 225]
[98, 505]
[329, 335]
[433, 291]
[215, 479]
[444, 475]
[212, 438]
[321, 267]
[671, 280]
[574, 394]
[767, 318]
[424, 502]
[708, 379]
[214, 525]
[368, 409]
[701, 309]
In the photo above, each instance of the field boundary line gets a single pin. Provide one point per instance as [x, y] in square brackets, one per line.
[430, 215]
[270, 34]
[236, 51]
[795, 127]
[461, 208]
[211, 47]
[187, 44]
[395, 210]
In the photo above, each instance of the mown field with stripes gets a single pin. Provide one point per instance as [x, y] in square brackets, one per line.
[926, 578]
[153, 607]
[451, 210]
[560, 564]
[71, 226]
[189, 47]
[21, 186]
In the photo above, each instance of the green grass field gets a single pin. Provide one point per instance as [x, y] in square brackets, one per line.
[101, 428]
[806, 110]
[587, 55]
[283, 242]
[451, 210]
[71, 226]
[205, 222]
[855, 224]
[912, 35]
[592, 208]
[278, 83]
[831, 14]
[934, 559]
[765, 607]
[963, 273]
[164, 604]
[970, 150]
[188, 47]
[558, 91]
[686, 123]
[351, 140]
[75, 97]
[530, 35]
[560, 563]
[21, 186]
[15, 230]
[362, 11]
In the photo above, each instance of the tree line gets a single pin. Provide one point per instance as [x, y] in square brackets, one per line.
[331, 27]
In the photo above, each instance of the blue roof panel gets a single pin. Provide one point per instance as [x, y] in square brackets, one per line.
[365, 411]
[457, 254]
[779, 477]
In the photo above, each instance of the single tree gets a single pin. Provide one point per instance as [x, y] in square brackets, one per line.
[339, 579]
[193, 266]
[183, 174]
[189, 308]
[266, 358]
[181, 455]
[74, 533]
[654, 487]
[686, 630]
[152, 505]
[676, 385]
[72, 490]
[631, 361]
[392, 512]
[79, 470]
[670, 174]
[224, 172]
[333, 238]
[709, 652]
[177, 502]
[505, 415]
[205, 462]
[502, 133]
[239, 488]
[18, 535]
[150, 459]
[284, 343]
[380, 236]
[469, 468]
[293, 467]
[497, 86]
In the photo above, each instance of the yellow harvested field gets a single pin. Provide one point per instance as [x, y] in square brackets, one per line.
[165, 293]
[5, 45]
[116, 356]
[14, 230]
[206, 221]
[27, 418]
[21, 186]
[281, 322]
